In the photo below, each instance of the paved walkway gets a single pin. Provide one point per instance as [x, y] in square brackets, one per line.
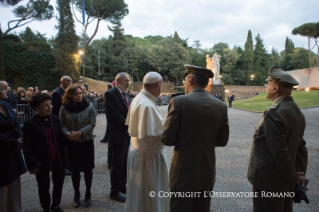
[232, 162]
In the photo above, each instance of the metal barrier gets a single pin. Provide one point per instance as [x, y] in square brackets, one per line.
[24, 112]
[98, 105]
[165, 100]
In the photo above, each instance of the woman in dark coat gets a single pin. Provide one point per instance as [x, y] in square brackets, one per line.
[43, 151]
[78, 120]
[11, 160]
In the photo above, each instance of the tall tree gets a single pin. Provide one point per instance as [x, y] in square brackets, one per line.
[2, 70]
[9, 2]
[34, 10]
[197, 45]
[118, 44]
[249, 55]
[176, 38]
[67, 58]
[260, 61]
[169, 58]
[289, 46]
[29, 36]
[275, 57]
[309, 30]
[107, 10]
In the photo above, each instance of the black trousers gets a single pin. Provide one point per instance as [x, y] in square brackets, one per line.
[43, 179]
[118, 167]
[262, 203]
[200, 202]
[109, 155]
[230, 103]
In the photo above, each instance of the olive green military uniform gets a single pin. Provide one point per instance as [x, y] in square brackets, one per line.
[278, 153]
[196, 123]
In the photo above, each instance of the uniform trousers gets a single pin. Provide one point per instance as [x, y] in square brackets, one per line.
[263, 203]
[200, 202]
[10, 197]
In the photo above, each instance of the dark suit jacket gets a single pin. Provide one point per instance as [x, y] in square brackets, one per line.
[12, 100]
[116, 112]
[278, 151]
[57, 100]
[11, 162]
[35, 144]
[196, 123]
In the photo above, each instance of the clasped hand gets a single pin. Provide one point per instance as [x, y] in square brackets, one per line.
[74, 135]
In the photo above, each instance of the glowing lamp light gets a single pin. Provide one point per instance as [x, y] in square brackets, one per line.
[307, 89]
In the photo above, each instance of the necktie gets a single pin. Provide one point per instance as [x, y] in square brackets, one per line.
[126, 102]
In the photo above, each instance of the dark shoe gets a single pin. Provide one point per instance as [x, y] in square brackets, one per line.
[87, 201]
[58, 209]
[118, 196]
[123, 190]
[76, 201]
[67, 172]
[103, 141]
[46, 210]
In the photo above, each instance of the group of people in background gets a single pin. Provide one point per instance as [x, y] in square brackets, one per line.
[61, 133]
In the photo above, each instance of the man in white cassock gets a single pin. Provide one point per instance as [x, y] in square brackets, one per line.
[147, 167]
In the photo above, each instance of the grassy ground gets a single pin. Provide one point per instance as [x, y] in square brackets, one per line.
[96, 85]
[304, 99]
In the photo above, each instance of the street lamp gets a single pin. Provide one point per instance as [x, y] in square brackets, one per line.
[81, 52]
[252, 78]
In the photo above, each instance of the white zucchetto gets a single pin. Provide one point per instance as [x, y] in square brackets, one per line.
[151, 77]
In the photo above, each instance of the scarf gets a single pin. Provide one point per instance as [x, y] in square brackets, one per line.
[77, 107]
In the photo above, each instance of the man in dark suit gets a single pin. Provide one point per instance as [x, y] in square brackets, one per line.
[11, 98]
[116, 104]
[278, 158]
[65, 82]
[196, 123]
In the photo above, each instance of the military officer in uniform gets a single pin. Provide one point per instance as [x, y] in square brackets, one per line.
[196, 123]
[278, 158]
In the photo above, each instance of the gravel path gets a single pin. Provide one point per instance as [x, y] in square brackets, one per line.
[232, 162]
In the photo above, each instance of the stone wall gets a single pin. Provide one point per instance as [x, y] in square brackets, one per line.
[216, 89]
[307, 78]
[243, 92]
[167, 87]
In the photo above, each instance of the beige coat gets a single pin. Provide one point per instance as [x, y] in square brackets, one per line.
[195, 125]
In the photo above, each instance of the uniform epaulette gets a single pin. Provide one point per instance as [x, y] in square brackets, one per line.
[273, 107]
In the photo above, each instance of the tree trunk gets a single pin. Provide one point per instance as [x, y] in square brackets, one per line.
[309, 51]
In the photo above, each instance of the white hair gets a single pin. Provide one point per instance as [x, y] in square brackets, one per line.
[152, 77]
[120, 75]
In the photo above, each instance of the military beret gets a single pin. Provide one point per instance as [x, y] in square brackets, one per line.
[281, 77]
[198, 70]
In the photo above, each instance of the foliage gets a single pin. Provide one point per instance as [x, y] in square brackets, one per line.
[28, 36]
[108, 10]
[260, 104]
[31, 64]
[169, 58]
[275, 57]
[2, 70]
[34, 10]
[260, 70]
[67, 58]
[309, 30]
[9, 2]
[249, 55]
